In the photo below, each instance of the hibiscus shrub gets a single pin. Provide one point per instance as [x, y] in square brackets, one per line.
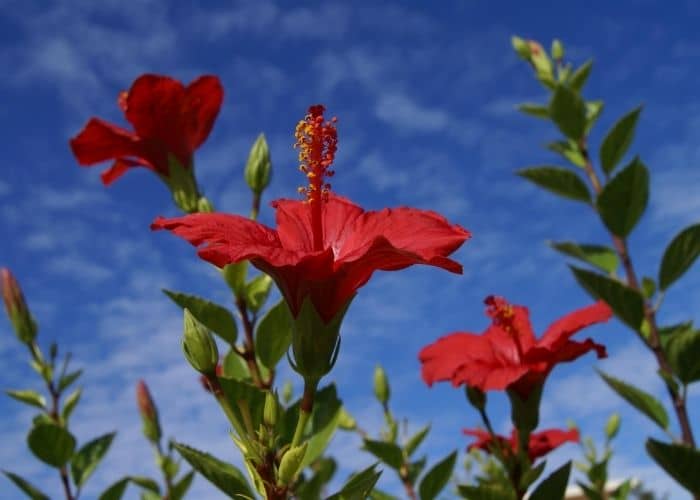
[611, 274]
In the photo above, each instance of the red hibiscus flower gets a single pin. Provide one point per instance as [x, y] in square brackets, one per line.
[325, 247]
[170, 121]
[507, 355]
[540, 443]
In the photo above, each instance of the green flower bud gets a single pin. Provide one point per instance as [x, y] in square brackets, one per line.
[612, 426]
[259, 167]
[16, 307]
[290, 464]
[381, 385]
[199, 346]
[271, 409]
[149, 413]
[476, 397]
[287, 392]
[182, 184]
[521, 47]
[557, 50]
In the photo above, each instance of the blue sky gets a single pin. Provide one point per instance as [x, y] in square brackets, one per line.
[425, 98]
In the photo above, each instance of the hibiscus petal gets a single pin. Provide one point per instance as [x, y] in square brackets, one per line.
[562, 329]
[543, 442]
[100, 141]
[294, 225]
[442, 359]
[421, 232]
[203, 98]
[153, 106]
[225, 239]
[118, 169]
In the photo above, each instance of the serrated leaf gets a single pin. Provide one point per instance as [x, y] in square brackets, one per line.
[68, 379]
[224, 476]
[599, 256]
[568, 151]
[436, 478]
[618, 140]
[216, 318]
[70, 403]
[29, 397]
[580, 76]
[86, 460]
[679, 255]
[146, 483]
[116, 490]
[626, 303]
[553, 487]
[51, 444]
[641, 400]
[274, 334]
[683, 352]
[257, 291]
[568, 111]
[623, 200]
[180, 488]
[681, 462]
[532, 109]
[558, 181]
[359, 485]
[389, 453]
[29, 489]
[414, 442]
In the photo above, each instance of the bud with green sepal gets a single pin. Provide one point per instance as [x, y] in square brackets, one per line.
[382, 391]
[199, 345]
[557, 50]
[521, 47]
[183, 185]
[17, 310]
[612, 426]
[258, 169]
[271, 409]
[149, 413]
[290, 464]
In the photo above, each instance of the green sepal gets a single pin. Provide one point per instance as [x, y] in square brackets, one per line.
[525, 413]
[258, 169]
[198, 345]
[182, 184]
[290, 465]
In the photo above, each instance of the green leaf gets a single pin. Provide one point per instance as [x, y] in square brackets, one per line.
[602, 257]
[679, 255]
[86, 460]
[51, 444]
[216, 318]
[681, 462]
[554, 486]
[24, 485]
[683, 352]
[224, 476]
[238, 391]
[536, 110]
[624, 199]
[257, 291]
[116, 490]
[648, 287]
[234, 367]
[641, 400]
[559, 181]
[414, 442]
[568, 111]
[70, 403]
[485, 492]
[180, 488]
[359, 485]
[568, 150]
[389, 453]
[29, 397]
[580, 76]
[381, 495]
[532, 474]
[149, 495]
[436, 478]
[274, 334]
[593, 111]
[68, 379]
[618, 140]
[626, 303]
[146, 483]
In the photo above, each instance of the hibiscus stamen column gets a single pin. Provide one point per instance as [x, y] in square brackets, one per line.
[317, 141]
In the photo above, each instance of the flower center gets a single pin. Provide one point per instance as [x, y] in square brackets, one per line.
[317, 141]
[503, 315]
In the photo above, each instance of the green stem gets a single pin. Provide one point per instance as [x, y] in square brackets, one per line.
[305, 407]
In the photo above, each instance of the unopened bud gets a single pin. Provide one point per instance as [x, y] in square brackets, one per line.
[381, 385]
[287, 392]
[290, 464]
[271, 410]
[259, 167]
[612, 426]
[149, 412]
[476, 397]
[199, 345]
[16, 307]
[557, 50]
[521, 47]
